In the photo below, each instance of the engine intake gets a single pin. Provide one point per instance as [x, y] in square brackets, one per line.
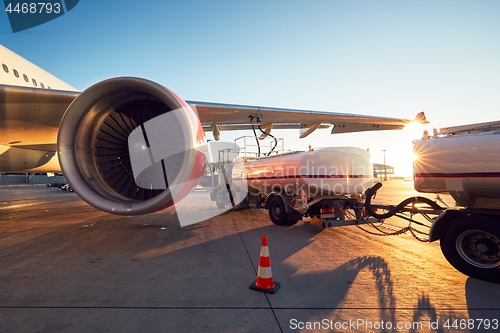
[94, 150]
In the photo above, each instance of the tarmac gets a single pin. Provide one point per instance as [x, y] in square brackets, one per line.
[67, 267]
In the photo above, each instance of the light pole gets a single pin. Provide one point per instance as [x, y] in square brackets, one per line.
[385, 169]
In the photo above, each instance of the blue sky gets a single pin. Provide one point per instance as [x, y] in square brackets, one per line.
[391, 58]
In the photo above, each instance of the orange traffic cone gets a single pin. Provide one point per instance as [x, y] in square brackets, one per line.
[264, 280]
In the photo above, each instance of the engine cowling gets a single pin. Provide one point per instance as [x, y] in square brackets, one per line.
[95, 152]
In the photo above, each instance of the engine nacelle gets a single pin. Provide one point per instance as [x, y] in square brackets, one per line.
[95, 154]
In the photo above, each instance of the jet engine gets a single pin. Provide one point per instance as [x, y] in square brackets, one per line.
[97, 156]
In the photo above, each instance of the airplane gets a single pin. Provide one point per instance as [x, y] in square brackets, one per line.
[46, 125]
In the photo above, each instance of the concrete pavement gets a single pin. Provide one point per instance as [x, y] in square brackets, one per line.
[66, 267]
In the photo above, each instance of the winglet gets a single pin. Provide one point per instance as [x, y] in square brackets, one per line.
[420, 118]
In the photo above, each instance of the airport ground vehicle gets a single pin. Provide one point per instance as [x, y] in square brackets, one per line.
[465, 162]
[320, 183]
[66, 187]
[61, 186]
[328, 185]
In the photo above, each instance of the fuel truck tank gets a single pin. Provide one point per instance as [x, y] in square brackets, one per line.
[321, 172]
[466, 165]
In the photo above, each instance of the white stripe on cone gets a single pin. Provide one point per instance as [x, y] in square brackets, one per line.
[264, 251]
[264, 272]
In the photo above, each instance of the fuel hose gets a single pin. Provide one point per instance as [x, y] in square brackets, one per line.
[370, 193]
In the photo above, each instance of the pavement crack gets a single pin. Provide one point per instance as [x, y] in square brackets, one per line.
[253, 266]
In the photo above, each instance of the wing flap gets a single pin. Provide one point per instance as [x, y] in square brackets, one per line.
[349, 128]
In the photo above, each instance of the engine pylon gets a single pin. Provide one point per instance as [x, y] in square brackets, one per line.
[264, 281]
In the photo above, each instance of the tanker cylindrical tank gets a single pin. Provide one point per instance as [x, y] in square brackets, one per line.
[467, 166]
[322, 172]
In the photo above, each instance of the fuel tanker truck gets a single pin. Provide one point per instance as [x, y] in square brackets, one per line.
[335, 186]
[321, 183]
[464, 161]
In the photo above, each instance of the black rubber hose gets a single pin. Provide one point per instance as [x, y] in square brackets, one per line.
[394, 209]
[275, 140]
[256, 139]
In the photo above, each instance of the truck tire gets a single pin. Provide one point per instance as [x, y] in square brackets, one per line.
[214, 196]
[277, 212]
[472, 246]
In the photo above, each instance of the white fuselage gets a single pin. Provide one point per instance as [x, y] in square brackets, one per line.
[17, 71]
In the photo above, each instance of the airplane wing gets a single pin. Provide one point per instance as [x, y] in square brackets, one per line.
[30, 117]
[29, 122]
[44, 109]
[224, 117]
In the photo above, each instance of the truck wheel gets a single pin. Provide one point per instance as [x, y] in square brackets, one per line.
[472, 246]
[277, 212]
[215, 195]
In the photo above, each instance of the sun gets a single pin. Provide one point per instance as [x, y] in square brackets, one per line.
[400, 154]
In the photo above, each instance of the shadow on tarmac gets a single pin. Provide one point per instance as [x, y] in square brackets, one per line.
[198, 276]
